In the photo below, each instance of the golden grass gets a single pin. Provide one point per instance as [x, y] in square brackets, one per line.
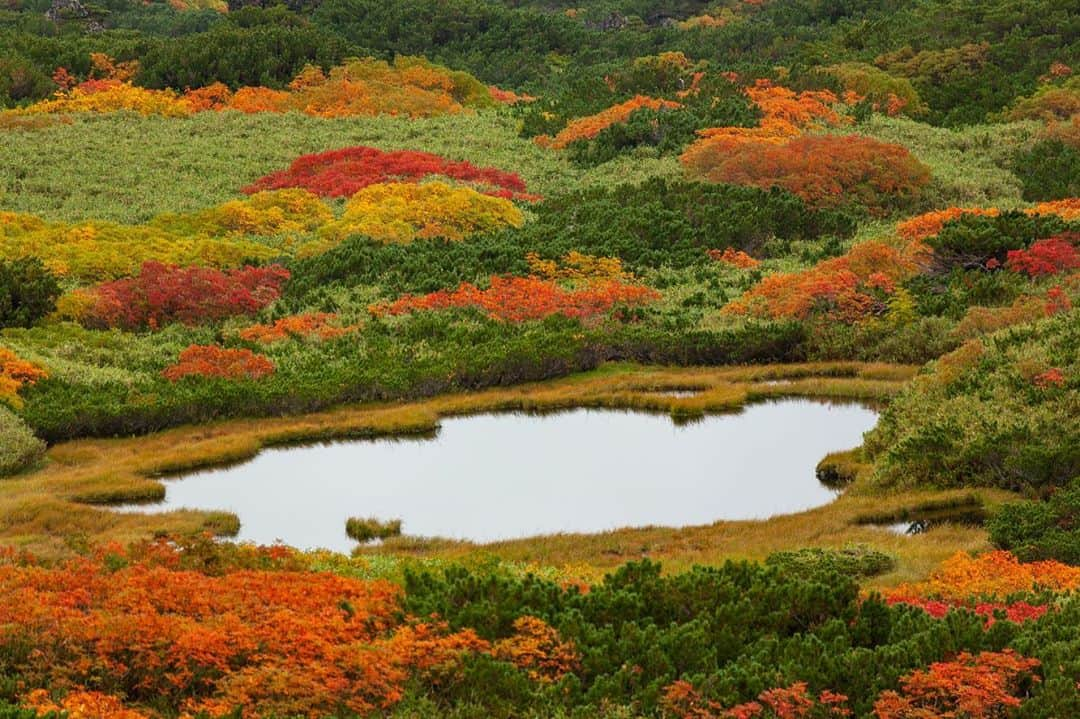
[58, 505]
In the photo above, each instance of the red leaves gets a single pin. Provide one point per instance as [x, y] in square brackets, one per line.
[1046, 257]
[972, 687]
[213, 361]
[1052, 377]
[165, 293]
[1017, 612]
[519, 299]
[342, 173]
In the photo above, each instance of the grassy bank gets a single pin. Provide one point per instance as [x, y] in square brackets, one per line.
[64, 502]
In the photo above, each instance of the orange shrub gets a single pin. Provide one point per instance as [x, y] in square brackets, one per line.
[993, 575]
[825, 170]
[214, 361]
[520, 299]
[929, 224]
[285, 643]
[802, 109]
[985, 686]
[16, 373]
[81, 705]
[846, 288]
[538, 649]
[319, 325]
[1068, 209]
[586, 128]
[733, 257]
[682, 701]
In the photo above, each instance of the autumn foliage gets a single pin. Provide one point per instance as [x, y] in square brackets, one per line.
[982, 686]
[846, 288]
[318, 325]
[402, 212]
[212, 361]
[586, 128]
[989, 576]
[733, 257]
[16, 373]
[681, 700]
[161, 294]
[343, 173]
[824, 170]
[520, 299]
[1046, 257]
[412, 87]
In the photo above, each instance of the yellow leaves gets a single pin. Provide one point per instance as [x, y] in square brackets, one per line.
[402, 212]
[575, 265]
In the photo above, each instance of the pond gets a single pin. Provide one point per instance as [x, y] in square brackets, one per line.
[504, 476]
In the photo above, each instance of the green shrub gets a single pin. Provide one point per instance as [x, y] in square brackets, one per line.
[1036, 530]
[1050, 170]
[28, 292]
[365, 530]
[857, 561]
[19, 448]
[972, 240]
[981, 415]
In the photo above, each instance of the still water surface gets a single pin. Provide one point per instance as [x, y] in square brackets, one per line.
[502, 476]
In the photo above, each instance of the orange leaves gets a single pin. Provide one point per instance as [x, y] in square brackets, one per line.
[994, 575]
[823, 170]
[826, 170]
[214, 361]
[846, 288]
[794, 702]
[1068, 209]
[984, 686]
[319, 325]
[586, 128]
[785, 114]
[802, 109]
[520, 299]
[538, 649]
[733, 257]
[411, 87]
[275, 642]
[930, 223]
[16, 373]
[81, 705]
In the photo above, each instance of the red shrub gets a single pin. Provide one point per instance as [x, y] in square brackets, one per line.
[1046, 257]
[165, 293]
[214, 361]
[519, 299]
[342, 173]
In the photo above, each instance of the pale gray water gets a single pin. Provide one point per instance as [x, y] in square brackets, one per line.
[491, 477]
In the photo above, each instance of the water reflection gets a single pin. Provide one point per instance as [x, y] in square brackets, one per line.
[492, 477]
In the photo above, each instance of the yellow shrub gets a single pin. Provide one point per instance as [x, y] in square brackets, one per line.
[402, 212]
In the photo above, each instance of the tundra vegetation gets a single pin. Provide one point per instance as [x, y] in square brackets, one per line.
[233, 224]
